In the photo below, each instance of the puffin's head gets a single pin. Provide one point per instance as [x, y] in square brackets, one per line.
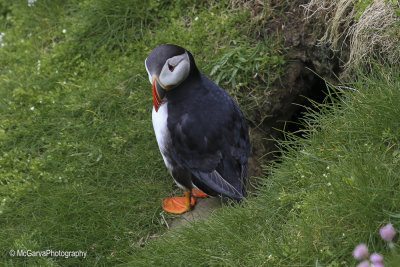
[168, 66]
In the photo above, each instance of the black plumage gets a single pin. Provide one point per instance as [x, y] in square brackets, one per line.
[208, 144]
[209, 137]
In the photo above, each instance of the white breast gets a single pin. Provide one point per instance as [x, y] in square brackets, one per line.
[161, 130]
[162, 135]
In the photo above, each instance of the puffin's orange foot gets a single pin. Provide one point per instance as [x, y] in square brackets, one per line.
[178, 205]
[198, 193]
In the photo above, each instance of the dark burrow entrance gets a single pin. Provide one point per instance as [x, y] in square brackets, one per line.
[317, 93]
[310, 66]
[301, 86]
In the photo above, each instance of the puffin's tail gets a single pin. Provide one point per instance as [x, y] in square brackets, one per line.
[218, 184]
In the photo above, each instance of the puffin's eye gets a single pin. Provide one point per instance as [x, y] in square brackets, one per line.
[171, 68]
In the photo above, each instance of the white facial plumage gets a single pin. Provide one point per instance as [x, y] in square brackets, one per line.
[148, 72]
[175, 70]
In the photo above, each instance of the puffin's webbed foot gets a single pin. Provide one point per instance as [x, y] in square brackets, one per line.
[179, 205]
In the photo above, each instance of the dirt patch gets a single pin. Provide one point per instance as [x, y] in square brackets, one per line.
[203, 209]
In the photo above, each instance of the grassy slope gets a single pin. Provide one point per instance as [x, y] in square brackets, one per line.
[331, 192]
[79, 165]
[81, 171]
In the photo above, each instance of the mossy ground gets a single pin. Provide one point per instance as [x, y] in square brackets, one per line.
[80, 168]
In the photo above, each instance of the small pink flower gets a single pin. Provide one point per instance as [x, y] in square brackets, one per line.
[376, 258]
[360, 252]
[387, 232]
[364, 264]
[379, 264]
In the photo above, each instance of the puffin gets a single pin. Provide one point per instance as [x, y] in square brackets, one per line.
[200, 130]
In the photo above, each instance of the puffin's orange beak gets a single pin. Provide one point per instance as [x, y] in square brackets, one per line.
[156, 97]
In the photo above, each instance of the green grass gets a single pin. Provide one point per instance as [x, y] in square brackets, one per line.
[331, 191]
[79, 165]
[80, 168]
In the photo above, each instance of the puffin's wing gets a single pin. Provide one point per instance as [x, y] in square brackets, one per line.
[210, 139]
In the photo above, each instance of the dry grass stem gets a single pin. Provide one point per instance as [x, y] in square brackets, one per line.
[371, 34]
[361, 39]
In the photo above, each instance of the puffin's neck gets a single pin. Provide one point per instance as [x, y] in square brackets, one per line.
[191, 87]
